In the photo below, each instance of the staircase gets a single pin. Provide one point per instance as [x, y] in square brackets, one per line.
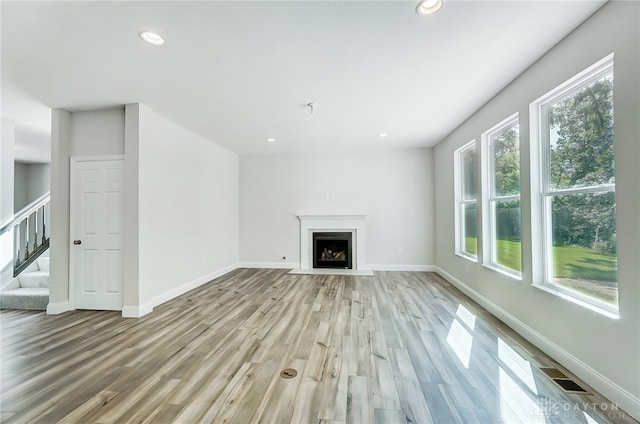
[29, 289]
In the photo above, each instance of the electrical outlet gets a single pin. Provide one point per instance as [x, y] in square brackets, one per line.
[400, 251]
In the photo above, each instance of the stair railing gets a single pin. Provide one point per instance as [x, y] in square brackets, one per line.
[30, 232]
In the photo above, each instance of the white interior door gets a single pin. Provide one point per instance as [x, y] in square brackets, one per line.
[96, 233]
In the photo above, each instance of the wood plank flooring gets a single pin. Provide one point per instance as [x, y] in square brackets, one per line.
[397, 347]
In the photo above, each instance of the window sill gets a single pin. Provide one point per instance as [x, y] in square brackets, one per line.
[511, 274]
[467, 257]
[595, 308]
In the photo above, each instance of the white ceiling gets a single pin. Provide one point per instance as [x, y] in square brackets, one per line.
[240, 72]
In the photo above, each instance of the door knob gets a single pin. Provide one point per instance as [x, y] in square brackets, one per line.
[77, 242]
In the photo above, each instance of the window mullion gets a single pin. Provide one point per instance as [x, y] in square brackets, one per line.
[603, 188]
[507, 198]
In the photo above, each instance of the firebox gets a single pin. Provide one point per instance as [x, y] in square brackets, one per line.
[332, 250]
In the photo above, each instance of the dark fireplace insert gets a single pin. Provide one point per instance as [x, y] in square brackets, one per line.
[332, 250]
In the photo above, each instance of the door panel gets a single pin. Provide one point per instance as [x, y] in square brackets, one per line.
[89, 270]
[114, 271]
[97, 271]
[89, 205]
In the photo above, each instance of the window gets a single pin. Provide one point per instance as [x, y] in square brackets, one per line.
[575, 201]
[501, 196]
[466, 201]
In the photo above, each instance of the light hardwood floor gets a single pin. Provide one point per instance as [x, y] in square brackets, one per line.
[398, 347]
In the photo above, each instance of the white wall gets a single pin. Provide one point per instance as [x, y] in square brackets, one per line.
[20, 185]
[31, 180]
[39, 175]
[6, 197]
[393, 187]
[604, 352]
[188, 209]
[97, 132]
[131, 239]
[90, 133]
[6, 169]
[181, 203]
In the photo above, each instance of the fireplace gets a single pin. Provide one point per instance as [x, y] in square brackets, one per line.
[332, 250]
[352, 224]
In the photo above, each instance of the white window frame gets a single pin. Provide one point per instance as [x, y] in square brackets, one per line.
[461, 202]
[490, 199]
[542, 193]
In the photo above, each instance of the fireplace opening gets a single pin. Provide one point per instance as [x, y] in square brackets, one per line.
[332, 250]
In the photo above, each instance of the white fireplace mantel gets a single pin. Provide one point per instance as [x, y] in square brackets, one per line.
[332, 223]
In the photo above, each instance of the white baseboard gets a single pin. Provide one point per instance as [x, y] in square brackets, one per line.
[58, 308]
[624, 399]
[363, 267]
[136, 311]
[397, 267]
[180, 290]
[144, 309]
[269, 265]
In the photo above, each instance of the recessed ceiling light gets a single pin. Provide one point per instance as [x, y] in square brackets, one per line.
[383, 135]
[271, 140]
[428, 7]
[151, 38]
